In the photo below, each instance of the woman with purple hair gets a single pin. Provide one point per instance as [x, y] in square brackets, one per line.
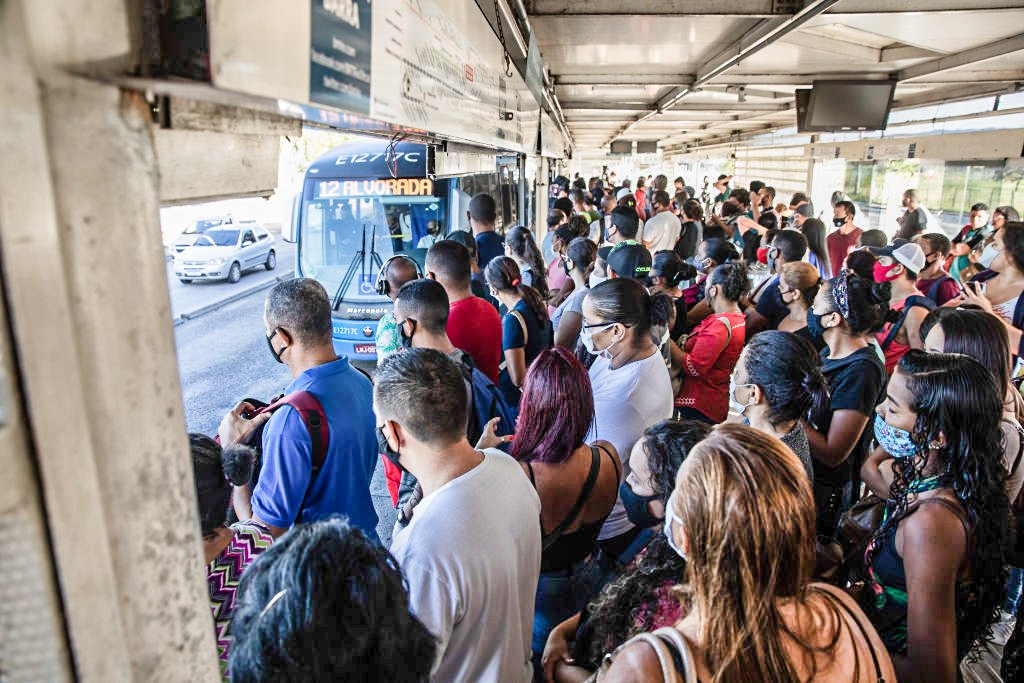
[577, 483]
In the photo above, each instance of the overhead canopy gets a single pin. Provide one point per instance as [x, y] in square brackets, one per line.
[702, 71]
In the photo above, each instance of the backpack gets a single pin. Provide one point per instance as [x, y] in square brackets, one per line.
[911, 301]
[487, 401]
[313, 416]
[933, 290]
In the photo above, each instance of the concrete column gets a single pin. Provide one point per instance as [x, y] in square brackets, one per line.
[82, 258]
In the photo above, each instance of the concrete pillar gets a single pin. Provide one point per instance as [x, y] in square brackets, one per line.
[83, 265]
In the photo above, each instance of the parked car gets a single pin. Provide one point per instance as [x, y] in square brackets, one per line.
[225, 252]
[189, 236]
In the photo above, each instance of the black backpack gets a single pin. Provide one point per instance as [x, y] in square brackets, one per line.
[913, 300]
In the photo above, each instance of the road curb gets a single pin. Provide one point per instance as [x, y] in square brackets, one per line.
[203, 310]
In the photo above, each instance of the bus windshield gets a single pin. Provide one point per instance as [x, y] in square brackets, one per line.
[348, 230]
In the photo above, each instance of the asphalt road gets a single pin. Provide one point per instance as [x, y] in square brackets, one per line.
[198, 294]
[223, 358]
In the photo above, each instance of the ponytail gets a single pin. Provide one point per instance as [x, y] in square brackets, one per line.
[788, 371]
[525, 247]
[503, 274]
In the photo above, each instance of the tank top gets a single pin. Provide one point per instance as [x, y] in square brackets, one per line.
[561, 550]
[885, 602]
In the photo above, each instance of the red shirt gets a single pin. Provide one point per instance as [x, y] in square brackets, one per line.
[475, 327]
[712, 350]
[839, 246]
[947, 290]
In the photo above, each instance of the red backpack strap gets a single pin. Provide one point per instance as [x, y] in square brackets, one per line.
[315, 419]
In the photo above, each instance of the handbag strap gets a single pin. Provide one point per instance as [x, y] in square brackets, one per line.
[522, 323]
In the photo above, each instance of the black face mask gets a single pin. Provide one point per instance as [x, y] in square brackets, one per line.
[405, 339]
[636, 506]
[839, 222]
[386, 450]
[815, 328]
[277, 354]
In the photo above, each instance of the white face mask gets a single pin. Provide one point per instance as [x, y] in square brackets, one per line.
[670, 516]
[734, 405]
[587, 337]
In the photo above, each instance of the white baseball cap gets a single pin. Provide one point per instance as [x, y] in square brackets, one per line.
[909, 254]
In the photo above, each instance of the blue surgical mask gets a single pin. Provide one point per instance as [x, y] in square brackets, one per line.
[815, 328]
[893, 440]
[670, 516]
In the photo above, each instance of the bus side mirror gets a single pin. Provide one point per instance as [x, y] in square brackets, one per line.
[290, 230]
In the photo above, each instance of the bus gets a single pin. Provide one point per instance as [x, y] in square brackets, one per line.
[368, 200]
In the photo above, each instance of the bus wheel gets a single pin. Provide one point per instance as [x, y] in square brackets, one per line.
[235, 274]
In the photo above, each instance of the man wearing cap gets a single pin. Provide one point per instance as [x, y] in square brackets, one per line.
[631, 260]
[899, 265]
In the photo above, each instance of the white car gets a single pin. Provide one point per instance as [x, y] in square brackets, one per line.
[225, 252]
[189, 236]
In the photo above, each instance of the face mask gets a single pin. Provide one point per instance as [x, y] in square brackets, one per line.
[386, 450]
[277, 354]
[893, 440]
[594, 280]
[988, 256]
[587, 337]
[670, 516]
[839, 222]
[404, 338]
[734, 405]
[636, 507]
[815, 328]
[608, 232]
[566, 267]
[882, 272]
[762, 254]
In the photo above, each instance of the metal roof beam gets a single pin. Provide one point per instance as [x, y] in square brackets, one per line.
[765, 33]
[570, 105]
[966, 58]
[746, 8]
[621, 79]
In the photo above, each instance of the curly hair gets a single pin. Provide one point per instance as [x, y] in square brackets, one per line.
[621, 609]
[955, 399]
[321, 585]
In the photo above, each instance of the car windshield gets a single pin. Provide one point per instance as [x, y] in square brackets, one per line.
[202, 226]
[218, 238]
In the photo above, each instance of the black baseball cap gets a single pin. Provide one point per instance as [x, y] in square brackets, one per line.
[630, 260]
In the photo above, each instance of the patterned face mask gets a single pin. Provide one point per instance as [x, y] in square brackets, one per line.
[893, 440]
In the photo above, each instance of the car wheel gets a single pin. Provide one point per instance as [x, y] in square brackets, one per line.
[271, 261]
[185, 282]
[235, 274]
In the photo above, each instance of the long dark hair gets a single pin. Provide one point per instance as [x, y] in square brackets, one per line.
[814, 230]
[623, 608]
[976, 333]
[956, 400]
[788, 370]
[503, 274]
[523, 245]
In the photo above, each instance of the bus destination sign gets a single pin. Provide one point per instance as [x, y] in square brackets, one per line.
[383, 187]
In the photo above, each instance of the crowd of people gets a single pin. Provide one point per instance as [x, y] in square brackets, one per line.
[632, 450]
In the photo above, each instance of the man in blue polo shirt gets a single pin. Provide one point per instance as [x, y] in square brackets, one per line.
[298, 322]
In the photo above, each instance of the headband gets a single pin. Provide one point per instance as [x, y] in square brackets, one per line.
[841, 292]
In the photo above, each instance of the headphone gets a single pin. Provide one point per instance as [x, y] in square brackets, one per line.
[383, 287]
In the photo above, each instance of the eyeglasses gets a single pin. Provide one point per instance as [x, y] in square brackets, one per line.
[602, 325]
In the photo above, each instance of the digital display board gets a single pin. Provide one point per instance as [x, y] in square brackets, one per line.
[382, 187]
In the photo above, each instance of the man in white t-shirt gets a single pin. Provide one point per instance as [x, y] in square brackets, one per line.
[661, 231]
[471, 554]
